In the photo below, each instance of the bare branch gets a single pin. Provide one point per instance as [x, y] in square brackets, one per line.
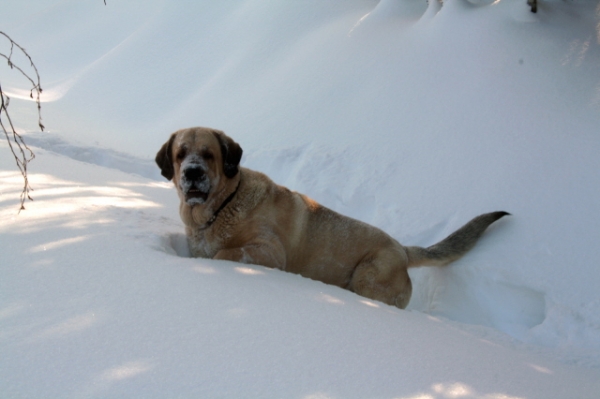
[22, 154]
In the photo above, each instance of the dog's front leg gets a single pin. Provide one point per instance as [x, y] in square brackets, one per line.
[267, 254]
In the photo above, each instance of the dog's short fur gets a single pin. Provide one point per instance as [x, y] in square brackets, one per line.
[241, 215]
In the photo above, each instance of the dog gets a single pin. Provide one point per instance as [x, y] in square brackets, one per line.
[237, 214]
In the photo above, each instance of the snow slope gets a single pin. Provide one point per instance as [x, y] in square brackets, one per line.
[96, 303]
[405, 118]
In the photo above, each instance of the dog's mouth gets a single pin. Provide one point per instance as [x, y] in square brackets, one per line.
[195, 195]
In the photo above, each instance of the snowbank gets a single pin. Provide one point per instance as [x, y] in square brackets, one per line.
[96, 302]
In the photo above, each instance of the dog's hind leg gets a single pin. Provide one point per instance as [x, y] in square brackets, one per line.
[384, 278]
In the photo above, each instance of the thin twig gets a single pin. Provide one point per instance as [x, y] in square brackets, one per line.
[21, 152]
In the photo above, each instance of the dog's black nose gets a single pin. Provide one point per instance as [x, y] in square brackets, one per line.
[193, 174]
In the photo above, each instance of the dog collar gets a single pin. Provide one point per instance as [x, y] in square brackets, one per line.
[223, 205]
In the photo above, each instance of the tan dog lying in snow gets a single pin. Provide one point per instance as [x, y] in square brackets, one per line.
[238, 214]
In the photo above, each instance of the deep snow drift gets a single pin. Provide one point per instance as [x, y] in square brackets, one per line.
[405, 118]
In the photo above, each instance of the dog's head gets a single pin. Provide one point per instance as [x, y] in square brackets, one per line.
[200, 161]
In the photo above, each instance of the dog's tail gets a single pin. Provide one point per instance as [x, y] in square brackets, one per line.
[455, 245]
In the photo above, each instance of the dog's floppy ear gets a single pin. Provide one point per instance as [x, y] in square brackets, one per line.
[163, 158]
[231, 152]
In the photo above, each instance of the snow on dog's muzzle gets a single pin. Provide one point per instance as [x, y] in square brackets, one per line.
[195, 184]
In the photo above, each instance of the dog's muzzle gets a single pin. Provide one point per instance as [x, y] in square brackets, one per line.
[195, 184]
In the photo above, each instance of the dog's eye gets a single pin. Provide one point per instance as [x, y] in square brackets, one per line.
[181, 154]
[207, 156]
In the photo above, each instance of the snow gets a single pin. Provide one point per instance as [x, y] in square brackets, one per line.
[410, 117]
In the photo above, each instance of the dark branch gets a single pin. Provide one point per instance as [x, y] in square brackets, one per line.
[22, 154]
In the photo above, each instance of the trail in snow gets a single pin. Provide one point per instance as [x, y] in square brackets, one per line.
[461, 293]
[95, 155]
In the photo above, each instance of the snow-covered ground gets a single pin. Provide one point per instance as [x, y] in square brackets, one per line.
[407, 117]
